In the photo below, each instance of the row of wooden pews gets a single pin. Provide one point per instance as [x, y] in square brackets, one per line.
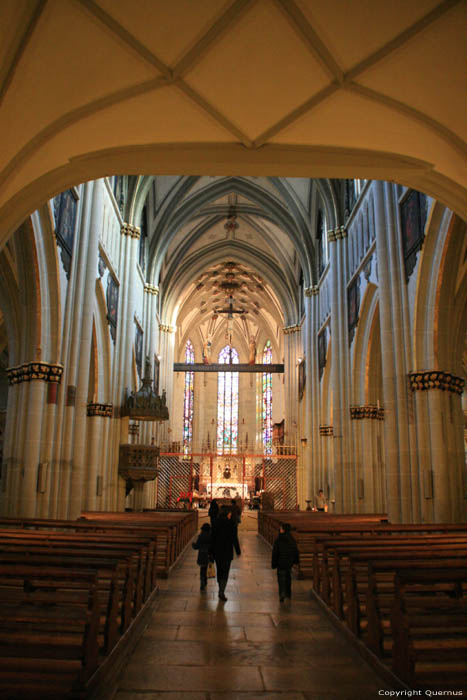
[75, 596]
[400, 590]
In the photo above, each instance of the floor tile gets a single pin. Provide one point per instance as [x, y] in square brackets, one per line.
[197, 648]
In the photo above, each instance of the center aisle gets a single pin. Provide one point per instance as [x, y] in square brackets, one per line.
[198, 648]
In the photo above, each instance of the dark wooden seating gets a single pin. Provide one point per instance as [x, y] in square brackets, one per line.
[429, 623]
[73, 594]
[49, 622]
[392, 587]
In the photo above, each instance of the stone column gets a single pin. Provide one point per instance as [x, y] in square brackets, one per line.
[32, 378]
[149, 319]
[47, 450]
[291, 347]
[343, 468]
[312, 408]
[393, 358]
[10, 467]
[62, 486]
[166, 345]
[88, 260]
[98, 415]
[124, 356]
[443, 483]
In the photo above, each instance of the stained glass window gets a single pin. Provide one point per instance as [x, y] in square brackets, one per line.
[227, 403]
[188, 401]
[267, 401]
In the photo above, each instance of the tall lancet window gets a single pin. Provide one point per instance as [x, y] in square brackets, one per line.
[188, 401]
[227, 403]
[267, 401]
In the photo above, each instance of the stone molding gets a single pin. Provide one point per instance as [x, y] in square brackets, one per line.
[43, 371]
[336, 234]
[165, 328]
[326, 430]
[311, 291]
[292, 329]
[130, 230]
[151, 289]
[104, 410]
[366, 411]
[436, 379]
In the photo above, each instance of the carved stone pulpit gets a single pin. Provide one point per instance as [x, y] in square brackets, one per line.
[137, 464]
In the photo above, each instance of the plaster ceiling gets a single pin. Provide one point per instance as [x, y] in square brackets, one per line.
[341, 88]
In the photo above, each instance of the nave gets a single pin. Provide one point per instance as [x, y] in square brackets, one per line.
[253, 646]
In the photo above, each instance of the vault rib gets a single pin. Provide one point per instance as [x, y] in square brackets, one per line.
[126, 36]
[7, 74]
[212, 36]
[296, 114]
[400, 39]
[442, 131]
[213, 112]
[317, 47]
[75, 115]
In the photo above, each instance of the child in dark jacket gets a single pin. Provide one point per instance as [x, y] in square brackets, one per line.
[284, 556]
[203, 544]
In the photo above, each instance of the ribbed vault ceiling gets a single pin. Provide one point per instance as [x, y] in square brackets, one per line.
[341, 88]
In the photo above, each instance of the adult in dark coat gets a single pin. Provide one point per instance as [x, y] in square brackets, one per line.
[213, 511]
[284, 555]
[223, 542]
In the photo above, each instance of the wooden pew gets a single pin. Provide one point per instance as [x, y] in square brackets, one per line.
[49, 621]
[175, 530]
[353, 565]
[429, 626]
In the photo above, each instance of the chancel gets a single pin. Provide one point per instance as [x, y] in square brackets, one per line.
[233, 266]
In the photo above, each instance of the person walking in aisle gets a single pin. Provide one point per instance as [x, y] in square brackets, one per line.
[213, 511]
[223, 542]
[284, 555]
[203, 544]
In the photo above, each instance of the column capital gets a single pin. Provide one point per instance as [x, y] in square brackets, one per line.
[130, 230]
[336, 234]
[292, 329]
[104, 410]
[165, 328]
[311, 291]
[28, 371]
[436, 379]
[366, 411]
[151, 289]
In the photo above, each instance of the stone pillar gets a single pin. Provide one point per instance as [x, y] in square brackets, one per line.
[32, 378]
[98, 415]
[88, 260]
[73, 319]
[149, 319]
[10, 467]
[343, 467]
[166, 346]
[124, 356]
[291, 348]
[443, 483]
[47, 450]
[393, 358]
[312, 408]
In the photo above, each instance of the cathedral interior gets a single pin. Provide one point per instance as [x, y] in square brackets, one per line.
[233, 257]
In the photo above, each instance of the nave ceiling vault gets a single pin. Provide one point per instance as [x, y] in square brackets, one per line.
[290, 88]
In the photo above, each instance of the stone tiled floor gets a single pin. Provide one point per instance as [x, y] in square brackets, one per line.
[253, 646]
